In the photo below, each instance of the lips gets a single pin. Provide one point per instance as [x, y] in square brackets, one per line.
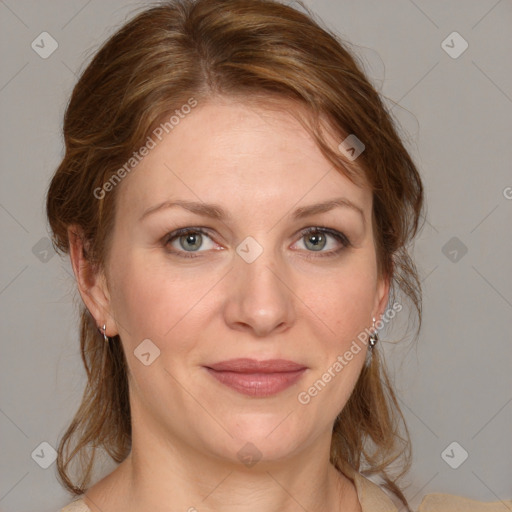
[257, 378]
[254, 366]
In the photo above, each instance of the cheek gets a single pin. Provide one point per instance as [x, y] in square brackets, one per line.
[344, 302]
[151, 302]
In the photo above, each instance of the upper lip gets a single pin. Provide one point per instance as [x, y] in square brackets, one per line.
[246, 365]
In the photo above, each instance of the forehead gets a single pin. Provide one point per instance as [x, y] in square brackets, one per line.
[238, 152]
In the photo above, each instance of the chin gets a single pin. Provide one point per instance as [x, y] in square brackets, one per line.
[256, 439]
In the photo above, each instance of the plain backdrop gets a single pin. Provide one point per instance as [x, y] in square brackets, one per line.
[455, 108]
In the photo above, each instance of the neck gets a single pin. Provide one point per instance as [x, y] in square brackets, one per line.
[164, 476]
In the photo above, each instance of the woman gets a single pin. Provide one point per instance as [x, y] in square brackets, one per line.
[236, 205]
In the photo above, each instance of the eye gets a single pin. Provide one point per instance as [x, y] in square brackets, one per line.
[185, 242]
[317, 238]
[188, 240]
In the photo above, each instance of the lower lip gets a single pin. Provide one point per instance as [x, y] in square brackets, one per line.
[257, 384]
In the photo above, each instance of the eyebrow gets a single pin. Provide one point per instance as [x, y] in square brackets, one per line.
[217, 212]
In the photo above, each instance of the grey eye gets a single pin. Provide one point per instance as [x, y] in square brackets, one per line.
[315, 242]
[191, 241]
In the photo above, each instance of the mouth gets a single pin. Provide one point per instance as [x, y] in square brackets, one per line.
[257, 378]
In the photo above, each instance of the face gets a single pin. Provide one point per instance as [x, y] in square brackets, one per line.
[256, 273]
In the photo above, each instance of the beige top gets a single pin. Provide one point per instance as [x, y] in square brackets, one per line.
[373, 499]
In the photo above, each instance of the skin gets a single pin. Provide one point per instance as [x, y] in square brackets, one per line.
[259, 165]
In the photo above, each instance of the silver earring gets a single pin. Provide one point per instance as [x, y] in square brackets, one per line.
[104, 332]
[374, 337]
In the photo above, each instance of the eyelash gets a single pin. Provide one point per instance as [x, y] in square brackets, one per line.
[340, 237]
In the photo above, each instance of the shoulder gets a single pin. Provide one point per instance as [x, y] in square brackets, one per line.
[440, 502]
[76, 506]
[373, 498]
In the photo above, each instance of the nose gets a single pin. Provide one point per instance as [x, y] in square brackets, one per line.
[260, 300]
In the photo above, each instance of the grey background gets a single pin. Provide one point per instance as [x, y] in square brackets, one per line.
[454, 384]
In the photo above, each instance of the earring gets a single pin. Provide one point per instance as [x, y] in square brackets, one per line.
[104, 332]
[374, 337]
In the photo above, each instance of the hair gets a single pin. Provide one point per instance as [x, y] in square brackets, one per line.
[248, 49]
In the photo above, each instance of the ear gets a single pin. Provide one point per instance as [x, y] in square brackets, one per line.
[91, 282]
[381, 297]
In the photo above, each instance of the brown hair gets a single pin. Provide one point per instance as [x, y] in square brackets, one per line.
[250, 49]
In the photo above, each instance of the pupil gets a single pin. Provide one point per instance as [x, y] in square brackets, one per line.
[192, 240]
[317, 241]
